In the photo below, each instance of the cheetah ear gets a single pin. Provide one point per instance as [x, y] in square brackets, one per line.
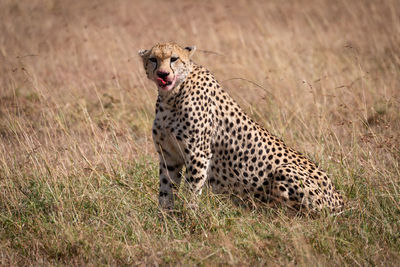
[143, 52]
[191, 50]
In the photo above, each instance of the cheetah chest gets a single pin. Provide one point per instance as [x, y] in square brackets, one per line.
[165, 130]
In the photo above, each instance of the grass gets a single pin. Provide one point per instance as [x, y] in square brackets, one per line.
[78, 171]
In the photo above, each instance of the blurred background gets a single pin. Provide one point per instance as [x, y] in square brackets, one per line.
[75, 105]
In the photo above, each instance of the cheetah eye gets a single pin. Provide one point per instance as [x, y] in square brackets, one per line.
[153, 59]
[173, 59]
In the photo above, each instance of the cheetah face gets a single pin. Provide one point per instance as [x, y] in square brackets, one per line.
[167, 64]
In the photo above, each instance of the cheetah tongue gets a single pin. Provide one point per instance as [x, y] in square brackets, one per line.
[161, 81]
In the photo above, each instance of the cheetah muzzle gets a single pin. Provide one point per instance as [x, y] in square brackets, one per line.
[199, 126]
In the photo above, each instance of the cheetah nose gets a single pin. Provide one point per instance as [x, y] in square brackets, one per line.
[162, 74]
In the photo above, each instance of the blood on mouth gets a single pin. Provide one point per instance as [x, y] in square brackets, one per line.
[163, 83]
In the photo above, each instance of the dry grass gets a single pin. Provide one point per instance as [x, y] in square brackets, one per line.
[78, 176]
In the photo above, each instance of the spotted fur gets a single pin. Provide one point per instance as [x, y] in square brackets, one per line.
[199, 126]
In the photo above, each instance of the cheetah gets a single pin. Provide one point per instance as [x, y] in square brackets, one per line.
[199, 126]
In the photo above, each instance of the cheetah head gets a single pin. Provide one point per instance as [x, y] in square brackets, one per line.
[167, 64]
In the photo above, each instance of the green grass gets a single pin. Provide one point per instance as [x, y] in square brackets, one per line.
[114, 219]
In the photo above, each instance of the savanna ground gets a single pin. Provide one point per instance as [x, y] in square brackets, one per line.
[78, 171]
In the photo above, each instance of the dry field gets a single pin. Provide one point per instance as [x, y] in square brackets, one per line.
[78, 171]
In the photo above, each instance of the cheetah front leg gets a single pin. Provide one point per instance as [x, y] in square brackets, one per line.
[196, 174]
[170, 179]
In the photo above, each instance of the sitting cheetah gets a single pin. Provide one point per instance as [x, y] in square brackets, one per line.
[198, 125]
